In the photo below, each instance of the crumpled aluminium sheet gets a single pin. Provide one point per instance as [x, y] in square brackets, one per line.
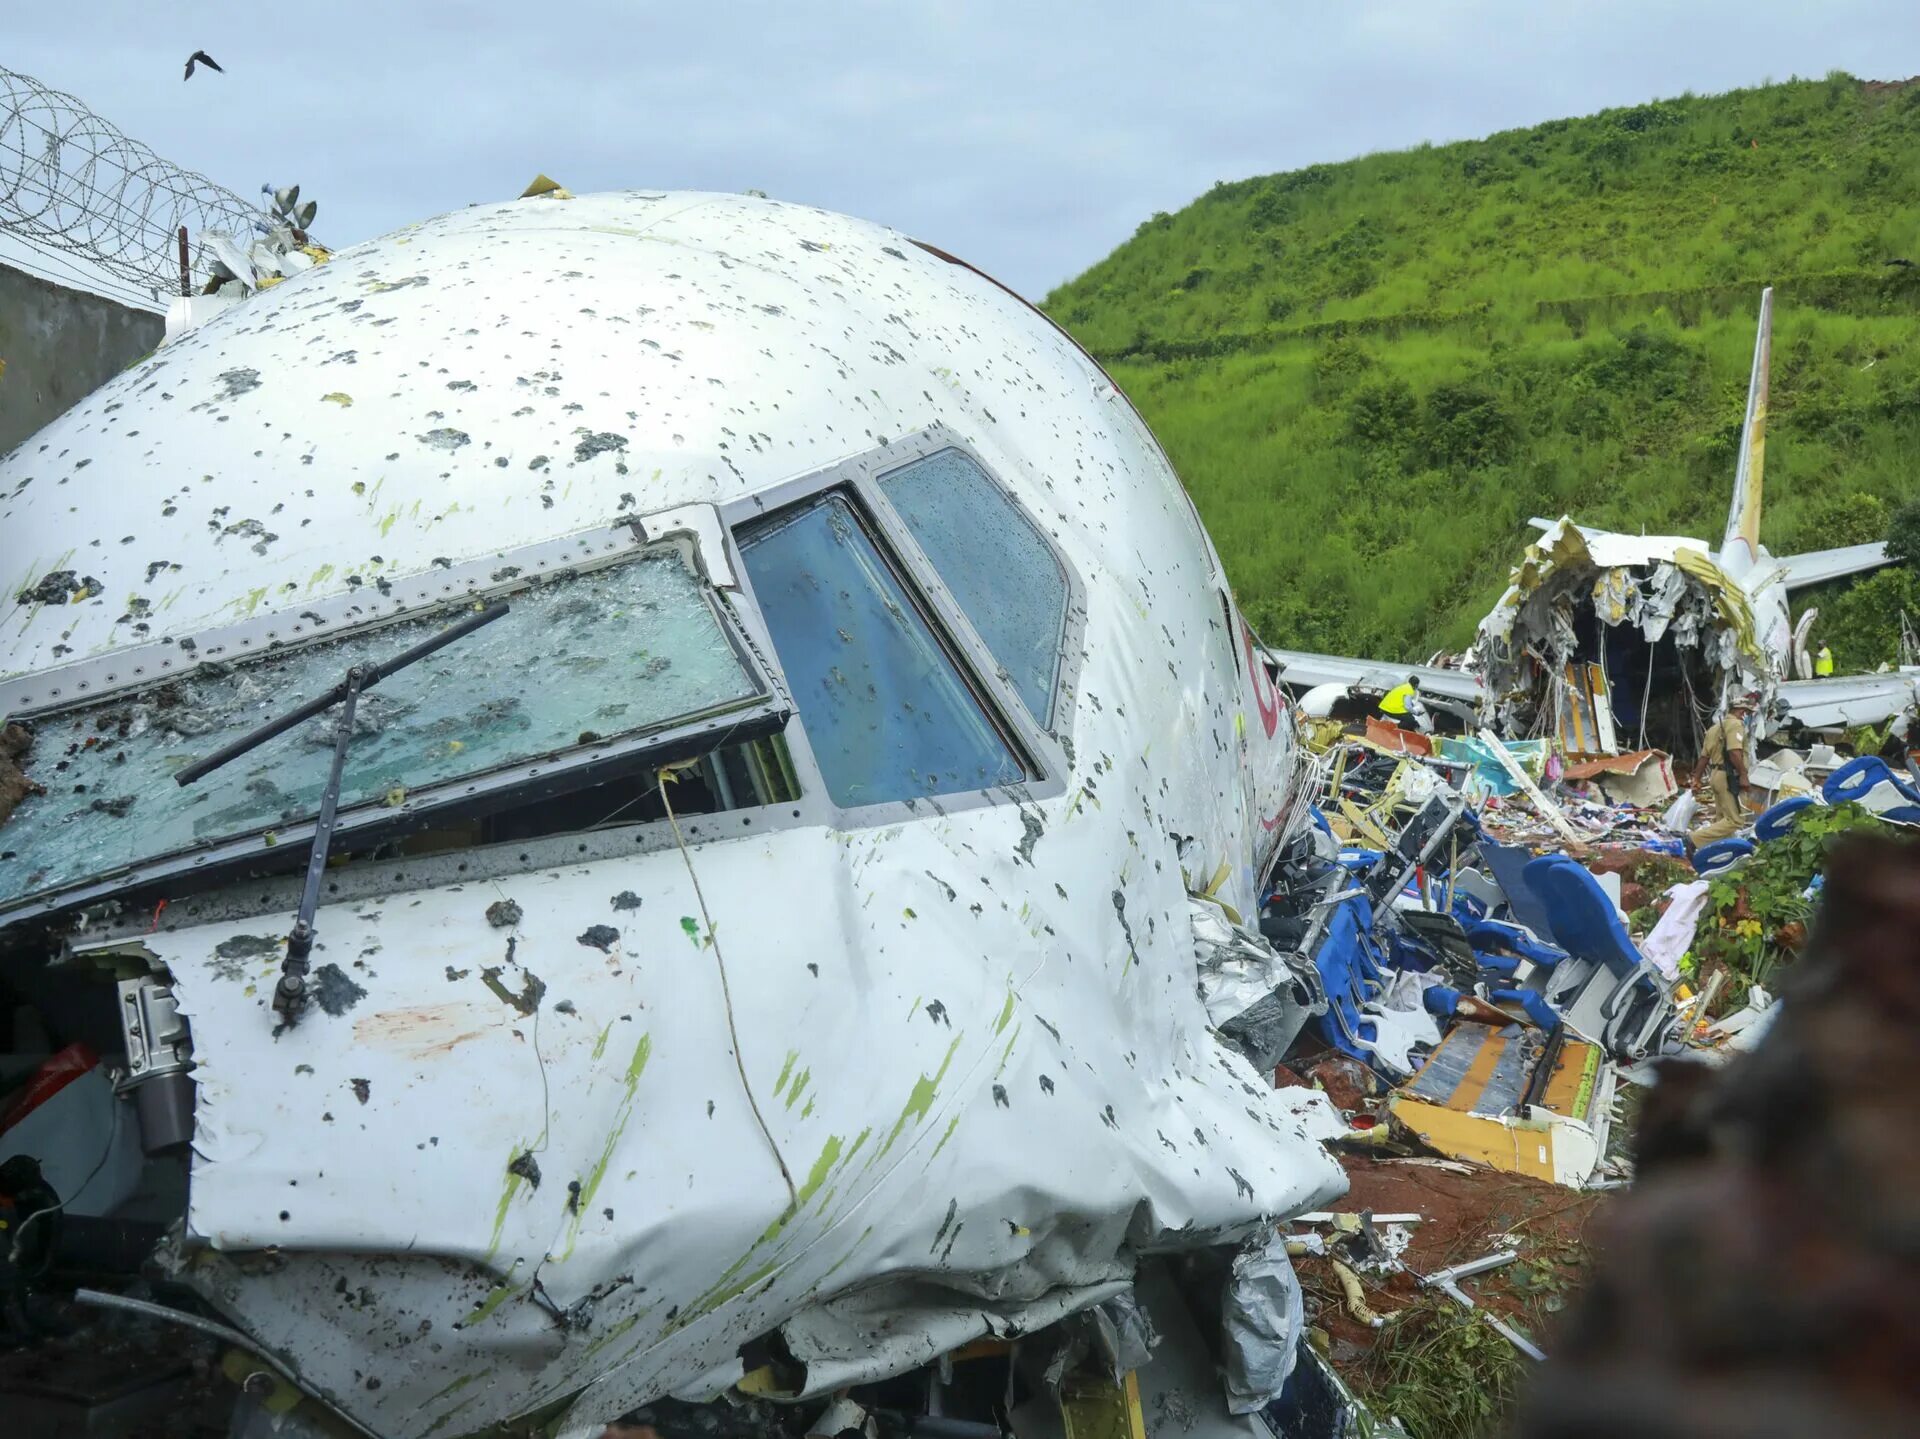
[1663, 585]
[1252, 994]
[839, 1341]
[992, 1138]
[1263, 1318]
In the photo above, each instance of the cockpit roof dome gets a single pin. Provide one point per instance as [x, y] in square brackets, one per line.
[506, 373]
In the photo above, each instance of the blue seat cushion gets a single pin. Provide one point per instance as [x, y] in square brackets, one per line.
[1782, 816]
[1855, 779]
[1721, 854]
[1584, 921]
[1509, 864]
[1491, 934]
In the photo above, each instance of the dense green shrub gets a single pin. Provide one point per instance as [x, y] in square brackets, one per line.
[1903, 535]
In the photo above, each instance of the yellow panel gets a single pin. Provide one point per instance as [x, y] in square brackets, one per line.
[1474, 1137]
[1573, 1074]
[1096, 1408]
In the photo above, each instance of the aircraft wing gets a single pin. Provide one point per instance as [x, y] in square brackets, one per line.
[1303, 670]
[1816, 566]
[1850, 699]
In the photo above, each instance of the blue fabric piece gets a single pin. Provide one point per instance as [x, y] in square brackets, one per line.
[1489, 933]
[1583, 920]
[1467, 909]
[1782, 817]
[1496, 966]
[1509, 862]
[1438, 999]
[1721, 855]
[1533, 1002]
[1319, 820]
[1410, 952]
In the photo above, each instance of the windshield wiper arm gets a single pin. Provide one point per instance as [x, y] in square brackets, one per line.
[290, 994]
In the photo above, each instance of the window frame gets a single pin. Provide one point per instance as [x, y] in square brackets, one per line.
[1039, 748]
[216, 891]
[900, 534]
[123, 675]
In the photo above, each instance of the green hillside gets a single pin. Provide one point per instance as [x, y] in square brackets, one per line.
[1371, 374]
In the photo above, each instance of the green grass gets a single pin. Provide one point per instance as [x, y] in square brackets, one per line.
[1371, 374]
[1443, 1372]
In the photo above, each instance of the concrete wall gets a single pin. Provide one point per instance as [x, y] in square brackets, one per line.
[60, 345]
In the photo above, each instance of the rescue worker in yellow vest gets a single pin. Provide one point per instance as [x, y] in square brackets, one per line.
[1823, 662]
[1402, 706]
[1723, 763]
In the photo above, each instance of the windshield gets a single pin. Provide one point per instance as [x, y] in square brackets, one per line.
[996, 565]
[887, 713]
[623, 651]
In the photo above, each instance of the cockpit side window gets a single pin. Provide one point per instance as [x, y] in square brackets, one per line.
[999, 569]
[886, 710]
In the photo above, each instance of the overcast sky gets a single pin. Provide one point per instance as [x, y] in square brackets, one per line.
[1030, 138]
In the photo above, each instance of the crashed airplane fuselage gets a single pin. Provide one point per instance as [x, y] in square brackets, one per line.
[1613, 642]
[1610, 642]
[777, 920]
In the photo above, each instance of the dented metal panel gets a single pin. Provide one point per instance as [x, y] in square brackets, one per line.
[510, 1164]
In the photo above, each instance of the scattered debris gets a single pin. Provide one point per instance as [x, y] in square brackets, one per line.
[1781, 1178]
[1470, 934]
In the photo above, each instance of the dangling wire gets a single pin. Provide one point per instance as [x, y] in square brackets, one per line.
[113, 1133]
[726, 992]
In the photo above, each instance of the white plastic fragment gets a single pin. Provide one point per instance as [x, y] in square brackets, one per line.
[1679, 816]
[1548, 809]
[1401, 1023]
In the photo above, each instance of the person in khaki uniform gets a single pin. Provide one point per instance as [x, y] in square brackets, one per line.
[1723, 758]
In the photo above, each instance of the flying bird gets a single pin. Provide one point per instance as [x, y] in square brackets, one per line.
[201, 57]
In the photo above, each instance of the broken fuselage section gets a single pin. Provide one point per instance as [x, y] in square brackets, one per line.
[775, 924]
[1614, 643]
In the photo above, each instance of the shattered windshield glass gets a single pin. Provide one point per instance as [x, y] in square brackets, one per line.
[622, 651]
[886, 712]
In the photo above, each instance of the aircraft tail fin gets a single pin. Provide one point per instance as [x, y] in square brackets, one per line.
[1743, 517]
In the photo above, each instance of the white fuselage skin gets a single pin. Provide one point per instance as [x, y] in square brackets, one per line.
[1765, 588]
[979, 1052]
